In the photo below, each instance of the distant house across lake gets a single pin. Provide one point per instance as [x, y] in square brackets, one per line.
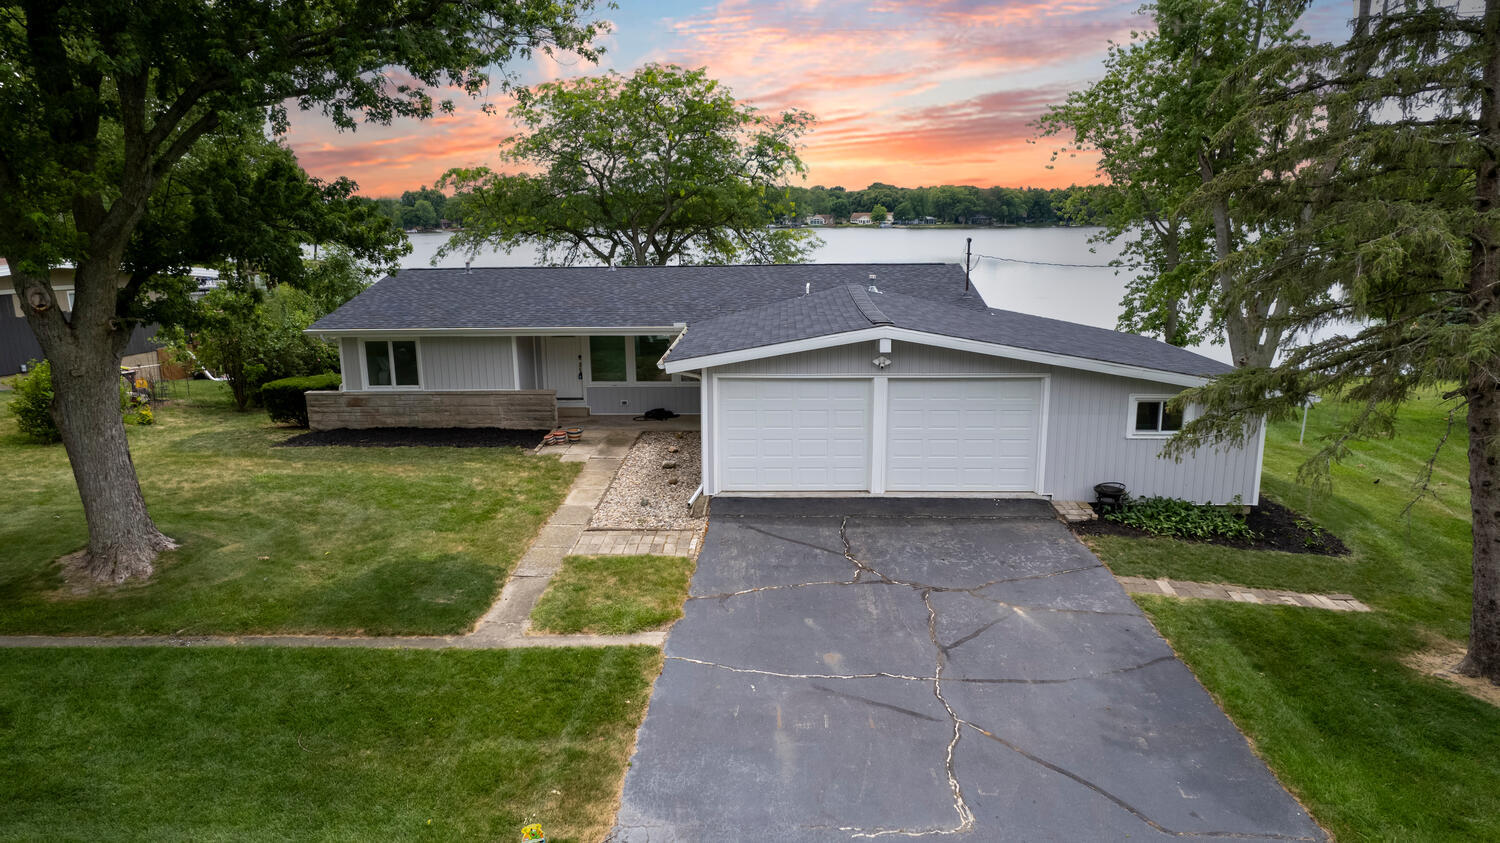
[861, 218]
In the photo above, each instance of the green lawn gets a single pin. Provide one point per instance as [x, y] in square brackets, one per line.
[373, 540]
[1375, 750]
[298, 744]
[614, 594]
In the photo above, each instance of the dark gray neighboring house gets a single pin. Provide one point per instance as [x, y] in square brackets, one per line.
[18, 344]
[850, 378]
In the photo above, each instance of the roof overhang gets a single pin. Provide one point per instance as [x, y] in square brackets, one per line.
[709, 361]
[562, 330]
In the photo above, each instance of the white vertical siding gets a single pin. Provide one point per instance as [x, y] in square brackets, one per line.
[1087, 444]
[459, 363]
[527, 362]
[706, 401]
[349, 357]
[906, 359]
[1086, 441]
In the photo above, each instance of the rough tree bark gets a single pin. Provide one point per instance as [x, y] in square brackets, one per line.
[1483, 387]
[85, 356]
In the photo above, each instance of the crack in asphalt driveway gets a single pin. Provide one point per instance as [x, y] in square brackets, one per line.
[774, 768]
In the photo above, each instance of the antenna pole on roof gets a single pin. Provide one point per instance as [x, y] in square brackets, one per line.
[968, 245]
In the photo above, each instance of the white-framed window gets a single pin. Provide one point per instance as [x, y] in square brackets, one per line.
[70, 301]
[391, 364]
[622, 360]
[1150, 417]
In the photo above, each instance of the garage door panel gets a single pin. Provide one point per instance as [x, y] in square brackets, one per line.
[794, 434]
[963, 434]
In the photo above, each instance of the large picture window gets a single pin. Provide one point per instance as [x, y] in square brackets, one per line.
[391, 363]
[628, 359]
[607, 359]
[648, 350]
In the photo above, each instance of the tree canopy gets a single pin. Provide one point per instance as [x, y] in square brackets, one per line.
[1157, 119]
[104, 102]
[1379, 207]
[664, 165]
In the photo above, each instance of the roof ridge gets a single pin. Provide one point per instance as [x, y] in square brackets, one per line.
[680, 266]
[867, 307]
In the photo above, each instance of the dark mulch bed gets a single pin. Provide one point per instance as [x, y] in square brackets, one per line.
[428, 437]
[1275, 527]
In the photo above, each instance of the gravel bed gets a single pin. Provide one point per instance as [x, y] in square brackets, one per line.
[641, 498]
[433, 437]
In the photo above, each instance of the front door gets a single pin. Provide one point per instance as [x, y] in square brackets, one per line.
[562, 367]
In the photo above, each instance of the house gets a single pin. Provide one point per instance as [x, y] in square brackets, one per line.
[819, 219]
[861, 218]
[852, 378]
[18, 345]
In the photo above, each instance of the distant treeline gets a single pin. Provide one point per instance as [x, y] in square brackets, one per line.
[947, 203]
[960, 204]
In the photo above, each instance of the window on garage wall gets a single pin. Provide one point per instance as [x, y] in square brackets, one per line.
[1150, 416]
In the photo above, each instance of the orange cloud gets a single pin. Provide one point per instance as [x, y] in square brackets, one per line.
[905, 91]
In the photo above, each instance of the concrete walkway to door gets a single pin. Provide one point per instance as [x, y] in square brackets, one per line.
[853, 668]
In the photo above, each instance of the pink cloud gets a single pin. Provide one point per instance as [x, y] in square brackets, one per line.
[905, 91]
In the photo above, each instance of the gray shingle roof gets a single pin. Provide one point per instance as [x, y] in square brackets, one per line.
[598, 297]
[852, 308]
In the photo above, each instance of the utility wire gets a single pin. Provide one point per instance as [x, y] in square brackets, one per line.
[1069, 265]
[1080, 265]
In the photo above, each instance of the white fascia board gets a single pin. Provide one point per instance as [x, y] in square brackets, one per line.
[941, 341]
[615, 330]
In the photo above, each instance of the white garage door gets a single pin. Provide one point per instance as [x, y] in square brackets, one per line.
[794, 434]
[961, 435]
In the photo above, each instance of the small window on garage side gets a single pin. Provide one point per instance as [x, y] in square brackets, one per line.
[648, 350]
[392, 363]
[1150, 416]
[607, 359]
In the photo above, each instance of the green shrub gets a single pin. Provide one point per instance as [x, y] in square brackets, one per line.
[1181, 519]
[285, 400]
[32, 405]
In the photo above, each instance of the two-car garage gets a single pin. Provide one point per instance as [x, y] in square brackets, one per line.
[879, 434]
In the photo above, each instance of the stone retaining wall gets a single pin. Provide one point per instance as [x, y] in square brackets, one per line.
[525, 409]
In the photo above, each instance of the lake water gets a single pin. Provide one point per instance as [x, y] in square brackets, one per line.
[1089, 295]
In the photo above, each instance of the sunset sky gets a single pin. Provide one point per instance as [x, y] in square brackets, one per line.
[906, 92]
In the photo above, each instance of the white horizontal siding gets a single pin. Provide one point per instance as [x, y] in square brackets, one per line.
[462, 363]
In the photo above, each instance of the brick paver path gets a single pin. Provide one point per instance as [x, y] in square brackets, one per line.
[1241, 594]
[633, 542]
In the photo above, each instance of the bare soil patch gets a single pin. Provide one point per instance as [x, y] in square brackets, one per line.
[1439, 662]
[643, 495]
[420, 437]
[1276, 528]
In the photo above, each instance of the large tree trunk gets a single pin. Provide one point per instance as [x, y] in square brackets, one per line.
[1483, 390]
[1483, 658]
[123, 540]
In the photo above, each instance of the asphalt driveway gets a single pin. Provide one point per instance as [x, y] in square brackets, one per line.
[863, 667]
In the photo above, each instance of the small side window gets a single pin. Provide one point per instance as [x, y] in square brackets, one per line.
[1150, 416]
